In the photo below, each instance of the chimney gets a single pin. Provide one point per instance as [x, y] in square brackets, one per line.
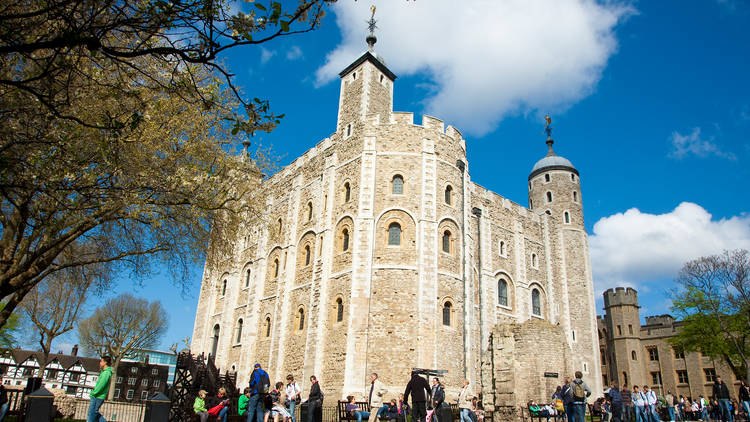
[74, 351]
[146, 360]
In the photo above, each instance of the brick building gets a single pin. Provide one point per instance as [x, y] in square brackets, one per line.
[380, 254]
[638, 354]
[136, 381]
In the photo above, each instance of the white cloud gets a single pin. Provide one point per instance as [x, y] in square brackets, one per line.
[694, 144]
[632, 247]
[266, 54]
[294, 53]
[487, 58]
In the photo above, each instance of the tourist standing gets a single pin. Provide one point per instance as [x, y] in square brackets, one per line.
[464, 402]
[639, 405]
[651, 401]
[567, 398]
[375, 397]
[259, 385]
[100, 391]
[615, 398]
[419, 389]
[579, 391]
[627, 403]
[721, 392]
[315, 401]
[670, 405]
[744, 396]
[292, 395]
[437, 396]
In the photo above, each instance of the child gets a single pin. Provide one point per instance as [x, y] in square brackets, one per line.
[277, 408]
[199, 406]
[222, 399]
[242, 403]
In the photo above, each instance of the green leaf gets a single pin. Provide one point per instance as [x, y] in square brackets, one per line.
[261, 7]
[284, 26]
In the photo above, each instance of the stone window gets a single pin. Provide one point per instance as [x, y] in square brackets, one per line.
[566, 216]
[534, 260]
[215, 342]
[679, 353]
[682, 377]
[349, 130]
[224, 287]
[624, 378]
[309, 211]
[710, 374]
[447, 313]
[574, 335]
[268, 326]
[279, 226]
[630, 329]
[548, 212]
[339, 310]
[275, 267]
[619, 330]
[549, 196]
[653, 353]
[354, 76]
[347, 192]
[394, 234]
[546, 177]
[448, 192]
[573, 177]
[575, 196]
[345, 240]
[603, 356]
[531, 204]
[247, 278]
[633, 356]
[300, 319]
[307, 255]
[381, 79]
[502, 292]
[447, 241]
[238, 337]
[656, 378]
[398, 185]
[502, 248]
[536, 302]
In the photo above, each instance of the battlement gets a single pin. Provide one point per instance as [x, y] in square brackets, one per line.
[620, 296]
[663, 320]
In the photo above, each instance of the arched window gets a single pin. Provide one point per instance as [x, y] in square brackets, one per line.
[448, 191]
[276, 267]
[309, 211]
[446, 241]
[347, 192]
[215, 343]
[536, 303]
[549, 196]
[224, 287]
[238, 338]
[398, 185]
[633, 355]
[279, 226]
[339, 310]
[548, 212]
[502, 292]
[625, 378]
[502, 247]
[268, 326]
[546, 177]
[575, 196]
[307, 255]
[394, 234]
[573, 177]
[247, 278]
[447, 313]
[566, 216]
[534, 261]
[301, 315]
[345, 240]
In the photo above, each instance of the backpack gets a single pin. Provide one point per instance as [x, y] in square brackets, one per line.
[559, 406]
[579, 393]
[264, 383]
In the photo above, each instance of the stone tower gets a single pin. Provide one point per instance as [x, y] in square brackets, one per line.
[623, 324]
[555, 189]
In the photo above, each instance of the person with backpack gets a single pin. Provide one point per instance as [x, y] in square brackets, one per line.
[567, 398]
[579, 391]
[639, 405]
[315, 401]
[260, 383]
[650, 407]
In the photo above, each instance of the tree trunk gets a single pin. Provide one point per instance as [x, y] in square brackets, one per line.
[113, 380]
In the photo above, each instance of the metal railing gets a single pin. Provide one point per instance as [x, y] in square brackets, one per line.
[113, 411]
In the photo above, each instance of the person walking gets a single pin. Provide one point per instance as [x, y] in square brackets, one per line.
[375, 397]
[567, 398]
[464, 402]
[260, 383]
[292, 395]
[744, 396]
[615, 398]
[627, 403]
[100, 391]
[670, 399]
[639, 405]
[579, 391]
[721, 392]
[650, 408]
[315, 401]
[419, 389]
[437, 396]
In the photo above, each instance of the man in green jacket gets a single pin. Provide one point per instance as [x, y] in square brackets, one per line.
[100, 391]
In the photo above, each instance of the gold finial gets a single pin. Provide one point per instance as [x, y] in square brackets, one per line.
[372, 9]
[372, 39]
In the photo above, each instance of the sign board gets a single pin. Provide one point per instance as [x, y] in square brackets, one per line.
[550, 374]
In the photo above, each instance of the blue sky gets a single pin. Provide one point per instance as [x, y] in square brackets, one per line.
[649, 100]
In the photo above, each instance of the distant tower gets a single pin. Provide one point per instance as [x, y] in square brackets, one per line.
[623, 325]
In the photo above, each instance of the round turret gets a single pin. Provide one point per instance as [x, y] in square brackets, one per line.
[554, 188]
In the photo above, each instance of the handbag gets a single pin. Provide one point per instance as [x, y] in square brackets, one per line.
[215, 410]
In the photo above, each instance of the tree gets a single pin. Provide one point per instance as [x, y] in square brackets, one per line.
[124, 325]
[121, 131]
[8, 331]
[713, 301]
[54, 305]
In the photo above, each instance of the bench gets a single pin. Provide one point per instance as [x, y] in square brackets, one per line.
[346, 416]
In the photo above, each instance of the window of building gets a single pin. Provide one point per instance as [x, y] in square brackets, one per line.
[345, 240]
[446, 241]
[534, 262]
[339, 310]
[144, 394]
[347, 192]
[604, 379]
[574, 335]
[447, 313]
[130, 394]
[116, 394]
[276, 267]
[224, 288]
[575, 196]
[546, 177]
[502, 292]
[155, 371]
[349, 126]
[531, 204]
[27, 372]
[119, 380]
[566, 216]
[157, 383]
[268, 326]
[536, 303]
[619, 330]
[624, 378]
[69, 390]
[398, 185]
[549, 196]
[604, 357]
[656, 378]
[448, 191]
[131, 381]
[307, 255]
[679, 353]
[682, 377]
[394, 234]
[309, 211]
[653, 353]
[247, 278]
[502, 248]
[573, 177]
[74, 377]
[215, 341]
[301, 317]
[279, 226]
[51, 374]
[238, 337]
[710, 374]
[630, 329]
[144, 382]
[633, 356]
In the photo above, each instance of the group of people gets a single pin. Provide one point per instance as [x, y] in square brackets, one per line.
[567, 400]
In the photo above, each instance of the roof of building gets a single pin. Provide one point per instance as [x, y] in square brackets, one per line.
[551, 161]
[66, 361]
[373, 58]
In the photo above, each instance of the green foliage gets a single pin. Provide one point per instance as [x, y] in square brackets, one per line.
[8, 331]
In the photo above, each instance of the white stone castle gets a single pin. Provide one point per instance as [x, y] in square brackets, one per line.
[382, 255]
